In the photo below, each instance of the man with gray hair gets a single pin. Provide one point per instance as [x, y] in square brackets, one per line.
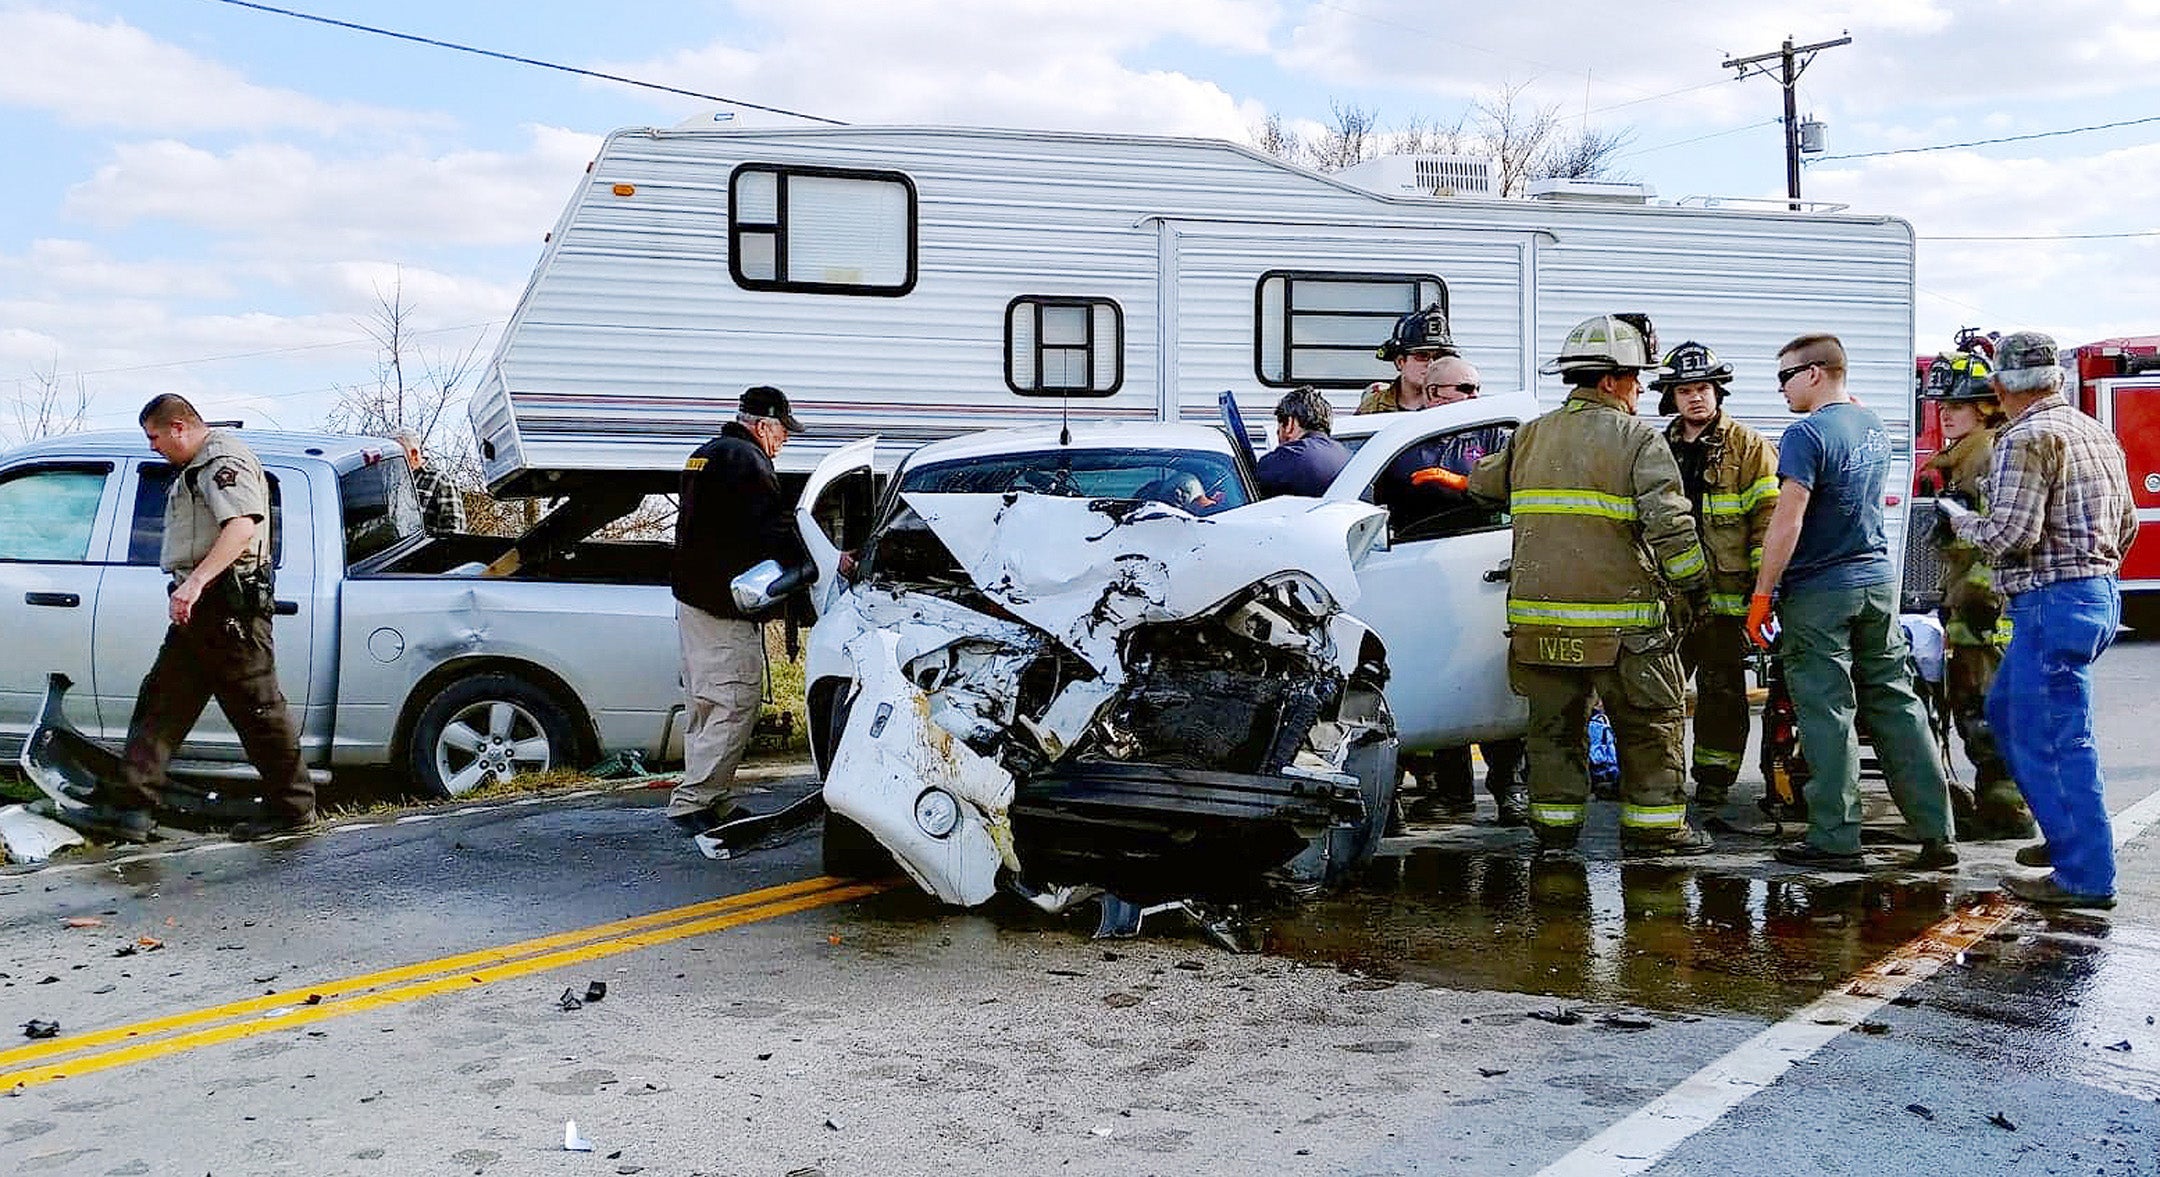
[442, 508]
[1306, 457]
[732, 516]
[2059, 519]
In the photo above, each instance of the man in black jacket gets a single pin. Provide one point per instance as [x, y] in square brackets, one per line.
[732, 516]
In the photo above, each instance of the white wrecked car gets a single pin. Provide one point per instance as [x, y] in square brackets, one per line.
[1096, 664]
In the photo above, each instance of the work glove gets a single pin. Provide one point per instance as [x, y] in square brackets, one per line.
[1685, 611]
[1758, 620]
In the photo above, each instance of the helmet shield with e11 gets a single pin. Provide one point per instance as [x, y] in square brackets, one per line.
[1420, 331]
[1608, 343]
[1690, 363]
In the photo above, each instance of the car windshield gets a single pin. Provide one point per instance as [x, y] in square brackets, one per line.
[1199, 481]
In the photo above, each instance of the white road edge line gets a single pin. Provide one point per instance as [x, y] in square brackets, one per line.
[1700, 1100]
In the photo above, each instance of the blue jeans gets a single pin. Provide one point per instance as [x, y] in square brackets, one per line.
[2041, 710]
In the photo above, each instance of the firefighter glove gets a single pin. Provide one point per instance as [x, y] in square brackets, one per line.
[1758, 619]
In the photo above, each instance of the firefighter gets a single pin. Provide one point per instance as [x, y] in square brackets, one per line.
[1419, 340]
[1974, 626]
[1603, 537]
[1730, 475]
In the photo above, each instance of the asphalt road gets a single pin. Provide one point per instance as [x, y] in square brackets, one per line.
[385, 999]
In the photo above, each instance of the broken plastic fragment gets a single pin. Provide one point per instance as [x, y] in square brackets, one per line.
[40, 1028]
[571, 1141]
[2002, 1121]
[1921, 1110]
[82, 921]
[595, 991]
[569, 1001]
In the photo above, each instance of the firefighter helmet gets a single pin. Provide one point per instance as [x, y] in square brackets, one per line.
[1690, 363]
[1425, 330]
[1605, 344]
[1951, 375]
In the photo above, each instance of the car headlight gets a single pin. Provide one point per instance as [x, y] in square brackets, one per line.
[1301, 594]
[936, 812]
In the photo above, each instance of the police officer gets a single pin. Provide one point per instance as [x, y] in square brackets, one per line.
[1730, 475]
[732, 518]
[1972, 610]
[1603, 536]
[216, 545]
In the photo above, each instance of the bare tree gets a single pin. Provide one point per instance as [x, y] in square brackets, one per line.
[1527, 141]
[46, 407]
[415, 389]
[1352, 136]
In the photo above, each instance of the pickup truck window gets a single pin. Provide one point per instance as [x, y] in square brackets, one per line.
[146, 529]
[380, 510]
[46, 512]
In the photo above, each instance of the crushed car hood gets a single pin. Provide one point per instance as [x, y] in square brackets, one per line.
[1086, 569]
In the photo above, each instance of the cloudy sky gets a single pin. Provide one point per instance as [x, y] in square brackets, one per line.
[207, 198]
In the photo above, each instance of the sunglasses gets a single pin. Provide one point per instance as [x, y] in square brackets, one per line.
[1465, 389]
[1785, 375]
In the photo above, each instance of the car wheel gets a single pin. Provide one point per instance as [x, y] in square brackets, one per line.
[850, 851]
[489, 727]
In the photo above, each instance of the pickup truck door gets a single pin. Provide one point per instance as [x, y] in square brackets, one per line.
[52, 513]
[131, 617]
[824, 517]
[1437, 591]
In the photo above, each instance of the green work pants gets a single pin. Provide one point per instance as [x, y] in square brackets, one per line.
[1716, 655]
[1844, 656]
[1641, 693]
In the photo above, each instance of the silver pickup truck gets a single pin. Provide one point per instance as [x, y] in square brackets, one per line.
[395, 649]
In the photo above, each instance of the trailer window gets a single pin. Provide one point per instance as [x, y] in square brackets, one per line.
[1064, 346]
[1322, 328]
[821, 230]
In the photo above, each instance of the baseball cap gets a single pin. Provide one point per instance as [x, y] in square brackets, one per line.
[767, 401]
[2022, 351]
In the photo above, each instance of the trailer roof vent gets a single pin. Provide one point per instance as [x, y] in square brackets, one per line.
[1425, 175]
[1564, 190]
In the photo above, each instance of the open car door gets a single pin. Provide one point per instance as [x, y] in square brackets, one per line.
[1436, 592]
[838, 491]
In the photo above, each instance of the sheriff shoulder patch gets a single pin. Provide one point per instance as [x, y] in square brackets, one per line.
[227, 477]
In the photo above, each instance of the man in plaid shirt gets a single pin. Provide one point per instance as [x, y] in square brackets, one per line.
[2058, 522]
[442, 508]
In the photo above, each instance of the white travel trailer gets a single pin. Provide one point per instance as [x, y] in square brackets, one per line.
[921, 282]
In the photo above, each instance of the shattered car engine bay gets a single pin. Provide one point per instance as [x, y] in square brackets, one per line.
[1158, 701]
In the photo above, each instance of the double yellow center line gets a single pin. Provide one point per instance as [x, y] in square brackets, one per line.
[99, 1050]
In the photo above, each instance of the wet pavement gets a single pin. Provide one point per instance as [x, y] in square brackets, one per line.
[1466, 1009]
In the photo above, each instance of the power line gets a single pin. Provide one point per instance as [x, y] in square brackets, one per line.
[2047, 236]
[1697, 139]
[270, 351]
[2155, 118]
[534, 61]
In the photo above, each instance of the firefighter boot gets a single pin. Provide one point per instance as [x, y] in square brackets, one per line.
[1686, 840]
[1712, 787]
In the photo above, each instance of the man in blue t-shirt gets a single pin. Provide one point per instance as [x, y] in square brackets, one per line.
[1827, 561]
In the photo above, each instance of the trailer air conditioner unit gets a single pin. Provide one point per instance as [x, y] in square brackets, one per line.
[1425, 175]
[1560, 189]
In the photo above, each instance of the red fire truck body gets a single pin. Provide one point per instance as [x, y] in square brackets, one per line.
[2118, 382]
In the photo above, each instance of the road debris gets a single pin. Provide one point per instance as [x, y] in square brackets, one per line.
[40, 1028]
[82, 921]
[2122, 1047]
[2002, 1121]
[1561, 1016]
[30, 837]
[1381, 1046]
[1491, 1072]
[1623, 1022]
[1121, 1000]
[569, 1001]
[571, 1141]
[1921, 1110]
[1873, 1027]
[595, 992]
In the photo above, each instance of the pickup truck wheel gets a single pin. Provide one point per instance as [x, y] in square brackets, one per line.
[849, 851]
[489, 727]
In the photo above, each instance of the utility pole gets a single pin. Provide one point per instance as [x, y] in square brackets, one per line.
[1793, 60]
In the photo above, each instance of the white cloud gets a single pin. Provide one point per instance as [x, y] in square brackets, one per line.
[114, 74]
[285, 197]
[1034, 63]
